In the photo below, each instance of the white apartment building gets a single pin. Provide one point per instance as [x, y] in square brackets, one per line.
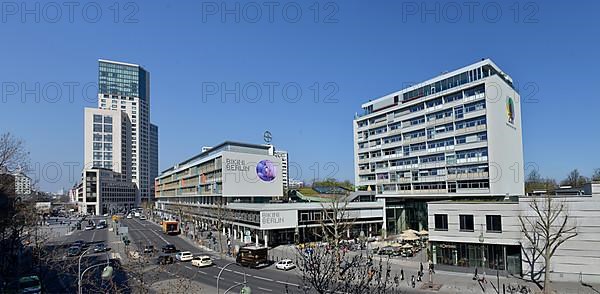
[105, 191]
[107, 140]
[469, 234]
[22, 184]
[283, 155]
[125, 87]
[455, 135]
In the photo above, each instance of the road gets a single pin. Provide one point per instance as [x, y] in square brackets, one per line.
[61, 275]
[265, 280]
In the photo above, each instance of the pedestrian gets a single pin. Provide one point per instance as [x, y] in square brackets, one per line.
[419, 276]
[475, 277]
[401, 275]
[431, 267]
[420, 267]
[412, 281]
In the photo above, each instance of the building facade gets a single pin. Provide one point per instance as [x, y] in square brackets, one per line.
[105, 191]
[241, 186]
[455, 135]
[22, 184]
[125, 87]
[283, 155]
[489, 234]
[107, 140]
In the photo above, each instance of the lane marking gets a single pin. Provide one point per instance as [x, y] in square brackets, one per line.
[264, 289]
[203, 272]
[289, 284]
[264, 279]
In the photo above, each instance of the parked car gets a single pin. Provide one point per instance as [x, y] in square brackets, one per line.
[149, 249]
[101, 225]
[285, 264]
[100, 247]
[30, 285]
[142, 217]
[79, 243]
[184, 256]
[165, 259]
[73, 251]
[129, 216]
[169, 248]
[202, 261]
[89, 227]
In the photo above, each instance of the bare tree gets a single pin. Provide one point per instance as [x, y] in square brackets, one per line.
[575, 179]
[596, 175]
[13, 155]
[330, 269]
[545, 230]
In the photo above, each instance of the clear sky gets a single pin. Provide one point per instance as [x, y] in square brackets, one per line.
[352, 51]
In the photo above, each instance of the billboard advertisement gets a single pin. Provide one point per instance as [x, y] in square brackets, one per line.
[280, 219]
[251, 175]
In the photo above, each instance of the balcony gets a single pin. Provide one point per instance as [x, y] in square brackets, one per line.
[478, 128]
[468, 176]
[415, 140]
[472, 145]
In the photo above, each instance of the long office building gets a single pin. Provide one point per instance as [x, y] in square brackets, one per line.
[455, 135]
[240, 185]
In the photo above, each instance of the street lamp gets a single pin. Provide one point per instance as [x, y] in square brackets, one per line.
[106, 273]
[245, 289]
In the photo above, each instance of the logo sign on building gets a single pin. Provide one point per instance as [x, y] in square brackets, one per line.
[510, 110]
[278, 219]
[251, 175]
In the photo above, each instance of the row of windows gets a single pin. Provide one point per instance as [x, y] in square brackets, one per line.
[473, 122]
[466, 223]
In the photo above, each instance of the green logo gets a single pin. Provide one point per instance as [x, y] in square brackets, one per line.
[510, 110]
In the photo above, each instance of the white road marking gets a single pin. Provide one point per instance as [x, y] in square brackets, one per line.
[93, 235]
[203, 272]
[264, 279]
[188, 267]
[289, 284]
[265, 289]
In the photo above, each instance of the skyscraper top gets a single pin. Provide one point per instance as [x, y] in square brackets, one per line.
[122, 79]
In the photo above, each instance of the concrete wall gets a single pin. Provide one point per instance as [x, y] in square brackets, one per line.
[505, 143]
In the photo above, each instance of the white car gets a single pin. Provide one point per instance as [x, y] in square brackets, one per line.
[202, 261]
[285, 265]
[184, 256]
[89, 227]
[129, 216]
[142, 217]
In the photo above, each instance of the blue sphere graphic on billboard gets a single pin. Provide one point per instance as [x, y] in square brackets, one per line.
[266, 171]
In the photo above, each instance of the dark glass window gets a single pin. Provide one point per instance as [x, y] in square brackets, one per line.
[441, 222]
[466, 222]
[493, 223]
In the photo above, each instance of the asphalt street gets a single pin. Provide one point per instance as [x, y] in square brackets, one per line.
[61, 277]
[264, 280]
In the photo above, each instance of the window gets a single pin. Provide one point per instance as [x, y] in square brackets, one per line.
[97, 128]
[466, 222]
[493, 223]
[108, 128]
[108, 120]
[441, 222]
[97, 118]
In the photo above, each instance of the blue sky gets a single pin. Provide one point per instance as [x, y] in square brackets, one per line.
[351, 50]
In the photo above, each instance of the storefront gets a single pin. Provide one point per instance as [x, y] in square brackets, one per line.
[492, 256]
